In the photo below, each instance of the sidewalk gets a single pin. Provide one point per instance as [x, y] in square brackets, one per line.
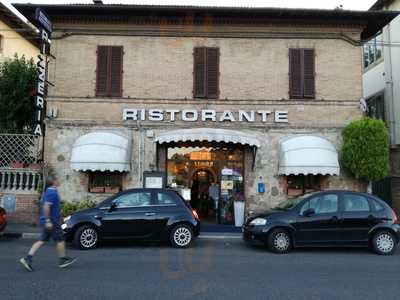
[26, 231]
[17, 230]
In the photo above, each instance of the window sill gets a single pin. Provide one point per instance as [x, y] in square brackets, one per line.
[373, 65]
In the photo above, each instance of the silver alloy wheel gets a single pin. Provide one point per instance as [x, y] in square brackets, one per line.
[384, 242]
[88, 238]
[182, 236]
[282, 241]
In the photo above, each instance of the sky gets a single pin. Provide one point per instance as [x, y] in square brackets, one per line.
[326, 4]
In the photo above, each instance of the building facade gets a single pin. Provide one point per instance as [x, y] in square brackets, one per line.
[17, 37]
[228, 103]
[381, 90]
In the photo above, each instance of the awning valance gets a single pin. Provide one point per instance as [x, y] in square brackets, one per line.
[208, 135]
[101, 151]
[308, 155]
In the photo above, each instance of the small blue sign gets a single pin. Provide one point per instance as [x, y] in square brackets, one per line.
[261, 187]
[9, 203]
[43, 20]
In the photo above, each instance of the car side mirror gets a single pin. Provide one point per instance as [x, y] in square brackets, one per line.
[113, 206]
[309, 212]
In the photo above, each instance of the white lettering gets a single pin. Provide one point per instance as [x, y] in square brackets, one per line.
[42, 74]
[39, 115]
[281, 117]
[45, 36]
[40, 88]
[129, 114]
[264, 115]
[250, 117]
[156, 115]
[39, 102]
[208, 114]
[172, 113]
[227, 116]
[142, 115]
[38, 129]
[186, 115]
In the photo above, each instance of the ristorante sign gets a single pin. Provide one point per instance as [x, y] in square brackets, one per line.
[205, 115]
[45, 28]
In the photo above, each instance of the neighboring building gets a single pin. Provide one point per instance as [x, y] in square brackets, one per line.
[381, 82]
[234, 96]
[16, 35]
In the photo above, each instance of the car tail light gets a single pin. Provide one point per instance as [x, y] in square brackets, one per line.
[395, 218]
[195, 214]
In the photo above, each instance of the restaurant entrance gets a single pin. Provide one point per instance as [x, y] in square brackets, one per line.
[211, 175]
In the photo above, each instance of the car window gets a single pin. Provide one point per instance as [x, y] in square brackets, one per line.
[323, 204]
[355, 203]
[133, 199]
[377, 206]
[165, 199]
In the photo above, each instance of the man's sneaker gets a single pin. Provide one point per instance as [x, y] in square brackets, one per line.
[27, 263]
[66, 261]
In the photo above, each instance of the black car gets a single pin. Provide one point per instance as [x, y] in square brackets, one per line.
[137, 214]
[330, 218]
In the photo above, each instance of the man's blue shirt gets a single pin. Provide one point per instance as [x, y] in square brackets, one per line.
[51, 198]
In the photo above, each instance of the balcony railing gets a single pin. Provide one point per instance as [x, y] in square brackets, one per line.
[20, 180]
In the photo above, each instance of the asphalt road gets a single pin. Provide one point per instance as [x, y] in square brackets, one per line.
[213, 269]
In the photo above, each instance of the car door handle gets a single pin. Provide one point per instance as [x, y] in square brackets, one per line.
[150, 214]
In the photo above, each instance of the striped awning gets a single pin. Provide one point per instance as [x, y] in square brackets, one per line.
[308, 155]
[208, 135]
[101, 151]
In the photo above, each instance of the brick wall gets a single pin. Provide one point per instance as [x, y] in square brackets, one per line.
[27, 209]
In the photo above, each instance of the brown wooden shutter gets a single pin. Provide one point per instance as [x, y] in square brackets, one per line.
[212, 73]
[309, 73]
[102, 71]
[295, 74]
[199, 72]
[116, 71]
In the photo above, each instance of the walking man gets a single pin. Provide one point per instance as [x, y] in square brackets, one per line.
[50, 220]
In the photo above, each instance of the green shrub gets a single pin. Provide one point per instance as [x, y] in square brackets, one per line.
[366, 149]
[68, 208]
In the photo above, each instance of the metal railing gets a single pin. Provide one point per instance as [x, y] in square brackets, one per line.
[20, 180]
[19, 150]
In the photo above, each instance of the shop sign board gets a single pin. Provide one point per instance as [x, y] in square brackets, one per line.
[205, 115]
[45, 28]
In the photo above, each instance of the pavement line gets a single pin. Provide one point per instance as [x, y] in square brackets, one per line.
[219, 236]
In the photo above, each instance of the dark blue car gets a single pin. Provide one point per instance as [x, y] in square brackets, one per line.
[330, 218]
[136, 214]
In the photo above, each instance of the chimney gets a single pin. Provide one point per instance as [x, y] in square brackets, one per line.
[98, 2]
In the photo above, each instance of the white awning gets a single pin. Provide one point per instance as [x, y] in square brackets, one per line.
[208, 135]
[308, 155]
[101, 151]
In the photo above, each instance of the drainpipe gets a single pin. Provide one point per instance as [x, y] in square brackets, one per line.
[389, 88]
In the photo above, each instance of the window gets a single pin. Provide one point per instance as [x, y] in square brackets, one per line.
[1, 43]
[372, 51]
[302, 184]
[165, 199]
[324, 204]
[376, 205]
[109, 71]
[105, 182]
[206, 73]
[133, 200]
[376, 107]
[355, 203]
[301, 73]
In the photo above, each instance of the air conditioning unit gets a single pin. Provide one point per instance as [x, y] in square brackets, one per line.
[52, 112]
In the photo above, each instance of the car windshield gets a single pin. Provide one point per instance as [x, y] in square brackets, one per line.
[290, 203]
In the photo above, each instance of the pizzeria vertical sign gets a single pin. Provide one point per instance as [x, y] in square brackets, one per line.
[45, 27]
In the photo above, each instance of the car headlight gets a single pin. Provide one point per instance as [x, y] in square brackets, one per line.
[67, 218]
[258, 222]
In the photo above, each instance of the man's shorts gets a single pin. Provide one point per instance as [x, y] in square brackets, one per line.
[56, 234]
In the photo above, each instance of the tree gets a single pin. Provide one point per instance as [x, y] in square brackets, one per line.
[18, 77]
[366, 149]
